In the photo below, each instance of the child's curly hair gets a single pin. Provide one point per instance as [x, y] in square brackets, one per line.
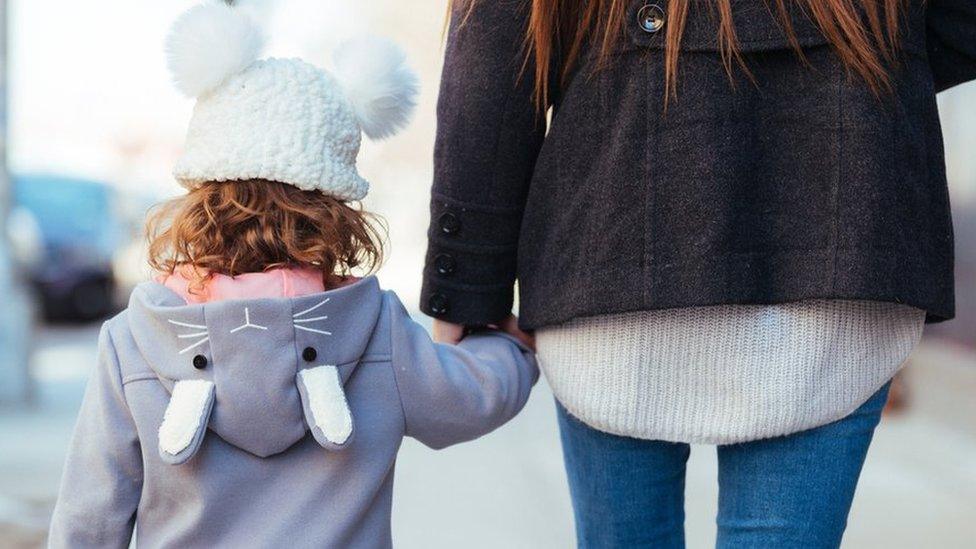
[237, 227]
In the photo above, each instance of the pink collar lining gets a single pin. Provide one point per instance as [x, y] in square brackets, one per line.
[275, 283]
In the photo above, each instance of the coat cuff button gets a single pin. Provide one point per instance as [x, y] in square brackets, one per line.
[450, 224]
[438, 304]
[445, 264]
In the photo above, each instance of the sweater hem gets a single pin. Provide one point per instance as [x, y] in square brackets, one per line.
[681, 437]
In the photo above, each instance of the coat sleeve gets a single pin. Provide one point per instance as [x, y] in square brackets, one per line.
[489, 132]
[102, 480]
[951, 41]
[451, 394]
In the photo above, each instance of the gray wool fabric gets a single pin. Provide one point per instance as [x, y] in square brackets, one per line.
[796, 183]
[256, 470]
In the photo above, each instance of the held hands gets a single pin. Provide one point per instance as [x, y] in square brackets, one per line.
[446, 332]
[451, 334]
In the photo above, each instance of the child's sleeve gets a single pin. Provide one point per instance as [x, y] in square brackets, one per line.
[102, 480]
[452, 394]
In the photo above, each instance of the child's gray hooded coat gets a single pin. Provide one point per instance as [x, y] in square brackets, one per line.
[269, 422]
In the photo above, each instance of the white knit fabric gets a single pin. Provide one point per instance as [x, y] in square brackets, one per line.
[726, 373]
[281, 120]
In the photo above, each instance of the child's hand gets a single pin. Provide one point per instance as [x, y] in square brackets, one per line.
[448, 332]
[510, 327]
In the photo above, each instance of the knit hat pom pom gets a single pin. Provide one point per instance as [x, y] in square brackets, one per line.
[208, 44]
[377, 82]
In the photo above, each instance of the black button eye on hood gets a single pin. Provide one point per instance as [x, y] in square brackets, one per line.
[309, 354]
[254, 371]
[199, 362]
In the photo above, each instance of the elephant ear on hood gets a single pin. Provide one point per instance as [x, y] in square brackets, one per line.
[326, 409]
[185, 420]
[260, 374]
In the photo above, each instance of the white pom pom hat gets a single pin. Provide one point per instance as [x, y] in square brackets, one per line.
[283, 120]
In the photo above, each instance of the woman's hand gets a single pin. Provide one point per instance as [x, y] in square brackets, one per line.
[510, 327]
[452, 334]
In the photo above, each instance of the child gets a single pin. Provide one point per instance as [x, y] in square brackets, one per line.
[256, 394]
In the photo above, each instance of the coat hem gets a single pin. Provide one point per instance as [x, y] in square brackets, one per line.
[736, 279]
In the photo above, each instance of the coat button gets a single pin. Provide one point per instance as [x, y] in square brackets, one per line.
[651, 18]
[199, 362]
[450, 224]
[309, 354]
[438, 304]
[445, 264]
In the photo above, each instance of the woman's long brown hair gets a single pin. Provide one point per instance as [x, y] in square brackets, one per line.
[864, 34]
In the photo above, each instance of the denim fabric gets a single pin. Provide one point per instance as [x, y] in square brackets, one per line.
[792, 491]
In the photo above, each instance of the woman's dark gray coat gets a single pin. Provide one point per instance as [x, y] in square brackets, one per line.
[800, 184]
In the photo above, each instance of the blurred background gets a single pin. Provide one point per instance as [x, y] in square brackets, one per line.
[91, 127]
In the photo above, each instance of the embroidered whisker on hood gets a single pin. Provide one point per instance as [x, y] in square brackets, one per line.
[314, 319]
[312, 422]
[252, 436]
[186, 324]
[310, 309]
[194, 345]
[304, 329]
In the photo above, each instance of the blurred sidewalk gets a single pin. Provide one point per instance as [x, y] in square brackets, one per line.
[508, 489]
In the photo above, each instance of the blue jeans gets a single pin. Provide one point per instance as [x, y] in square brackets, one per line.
[791, 491]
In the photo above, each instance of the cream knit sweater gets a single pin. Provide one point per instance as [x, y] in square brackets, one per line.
[726, 373]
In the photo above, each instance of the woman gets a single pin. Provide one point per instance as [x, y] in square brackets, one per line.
[731, 232]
